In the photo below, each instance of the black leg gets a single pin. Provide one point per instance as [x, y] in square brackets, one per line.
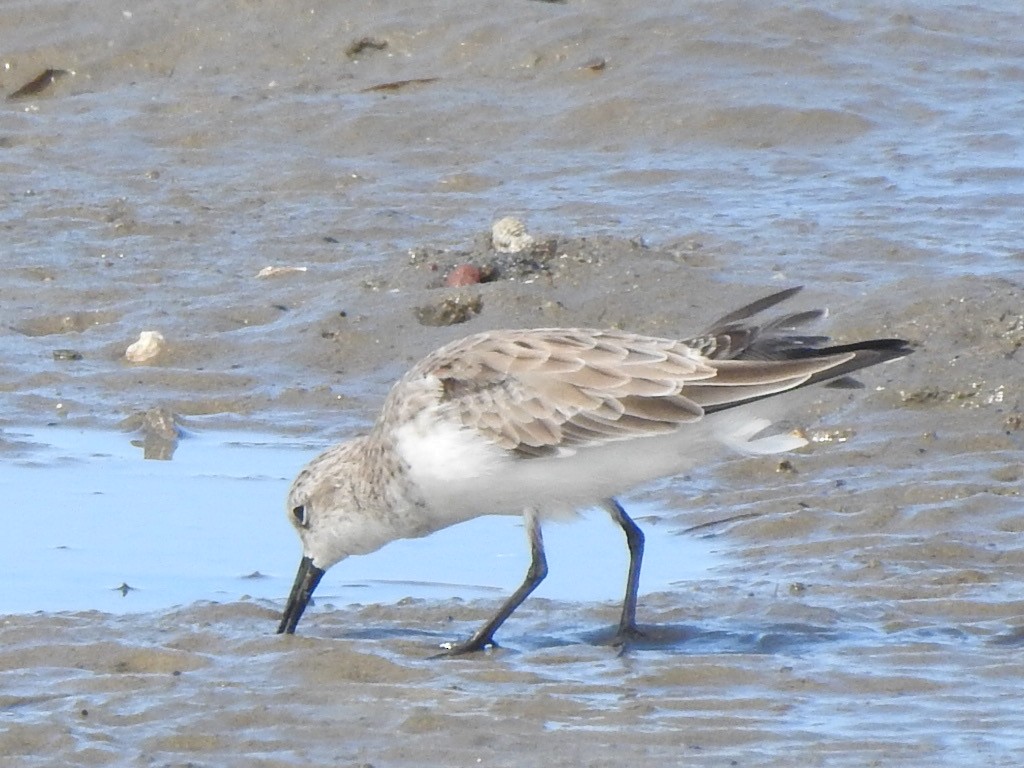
[534, 575]
[635, 542]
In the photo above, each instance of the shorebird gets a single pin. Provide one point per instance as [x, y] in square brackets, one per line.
[547, 421]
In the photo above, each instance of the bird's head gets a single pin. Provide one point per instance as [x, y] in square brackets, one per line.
[331, 517]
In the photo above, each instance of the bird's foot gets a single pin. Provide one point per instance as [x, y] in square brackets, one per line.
[627, 636]
[473, 645]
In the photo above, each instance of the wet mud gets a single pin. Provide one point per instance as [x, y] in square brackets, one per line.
[283, 195]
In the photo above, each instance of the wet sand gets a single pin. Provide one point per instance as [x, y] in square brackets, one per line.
[867, 615]
[672, 163]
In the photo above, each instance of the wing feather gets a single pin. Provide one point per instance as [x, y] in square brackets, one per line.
[545, 390]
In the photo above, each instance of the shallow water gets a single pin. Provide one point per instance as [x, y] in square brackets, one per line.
[210, 525]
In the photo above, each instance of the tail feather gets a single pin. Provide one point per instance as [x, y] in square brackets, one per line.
[772, 358]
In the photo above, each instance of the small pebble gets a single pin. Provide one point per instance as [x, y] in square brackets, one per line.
[149, 345]
[464, 274]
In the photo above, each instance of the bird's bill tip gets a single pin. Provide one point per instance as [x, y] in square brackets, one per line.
[306, 580]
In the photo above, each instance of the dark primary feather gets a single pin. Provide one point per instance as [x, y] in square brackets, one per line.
[776, 340]
[731, 337]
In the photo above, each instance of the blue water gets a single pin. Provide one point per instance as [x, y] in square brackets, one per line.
[86, 514]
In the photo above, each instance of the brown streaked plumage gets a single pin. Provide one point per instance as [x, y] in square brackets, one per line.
[541, 422]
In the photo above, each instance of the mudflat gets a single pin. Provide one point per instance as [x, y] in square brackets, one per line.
[671, 163]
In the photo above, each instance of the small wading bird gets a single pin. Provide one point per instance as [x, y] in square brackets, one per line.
[547, 421]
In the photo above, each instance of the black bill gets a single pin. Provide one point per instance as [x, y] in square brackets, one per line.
[302, 590]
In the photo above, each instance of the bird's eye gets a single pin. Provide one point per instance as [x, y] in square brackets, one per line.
[299, 513]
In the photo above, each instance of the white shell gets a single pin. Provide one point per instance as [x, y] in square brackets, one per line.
[274, 271]
[149, 345]
[508, 235]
